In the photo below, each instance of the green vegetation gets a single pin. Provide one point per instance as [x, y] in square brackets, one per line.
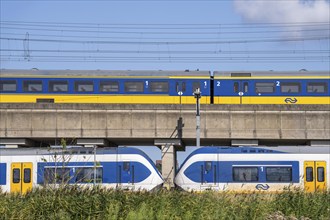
[98, 203]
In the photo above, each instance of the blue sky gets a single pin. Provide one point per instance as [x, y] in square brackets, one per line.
[220, 17]
[248, 35]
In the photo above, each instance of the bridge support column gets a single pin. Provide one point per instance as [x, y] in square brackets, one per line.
[169, 161]
[168, 165]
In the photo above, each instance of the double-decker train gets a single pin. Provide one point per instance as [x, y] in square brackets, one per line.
[164, 87]
[247, 169]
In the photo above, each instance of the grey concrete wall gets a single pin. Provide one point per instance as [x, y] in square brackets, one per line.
[125, 124]
[168, 165]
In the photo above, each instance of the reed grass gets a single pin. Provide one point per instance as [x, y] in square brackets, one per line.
[98, 203]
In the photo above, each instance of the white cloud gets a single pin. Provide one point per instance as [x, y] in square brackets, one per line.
[288, 11]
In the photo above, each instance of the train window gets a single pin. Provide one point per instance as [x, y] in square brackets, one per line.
[317, 87]
[109, 86]
[8, 86]
[309, 174]
[32, 85]
[320, 174]
[159, 86]
[58, 86]
[83, 86]
[245, 174]
[133, 86]
[265, 87]
[208, 166]
[86, 174]
[236, 87]
[279, 174]
[290, 87]
[56, 175]
[126, 166]
[246, 87]
[16, 175]
[180, 87]
[27, 175]
[196, 85]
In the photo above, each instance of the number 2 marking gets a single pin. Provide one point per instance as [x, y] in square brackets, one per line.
[218, 83]
[277, 83]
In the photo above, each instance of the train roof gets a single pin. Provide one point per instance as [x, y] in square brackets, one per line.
[102, 73]
[261, 150]
[271, 74]
[74, 151]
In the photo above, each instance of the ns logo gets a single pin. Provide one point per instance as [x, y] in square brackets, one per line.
[262, 187]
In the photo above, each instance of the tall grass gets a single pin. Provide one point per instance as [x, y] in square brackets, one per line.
[98, 203]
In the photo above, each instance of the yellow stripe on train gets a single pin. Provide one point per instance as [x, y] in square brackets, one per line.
[109, 98]
[272, 100]
[162, 99]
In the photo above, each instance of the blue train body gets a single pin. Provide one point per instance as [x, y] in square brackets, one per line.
[164, 87]
[139, 87]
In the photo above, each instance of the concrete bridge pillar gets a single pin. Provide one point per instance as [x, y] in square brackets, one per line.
[168, 165]
[169, 161]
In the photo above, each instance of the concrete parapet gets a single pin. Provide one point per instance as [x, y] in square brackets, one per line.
[135, 124]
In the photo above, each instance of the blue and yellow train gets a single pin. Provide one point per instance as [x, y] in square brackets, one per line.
[164, 87]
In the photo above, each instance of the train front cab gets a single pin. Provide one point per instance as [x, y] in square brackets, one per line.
[315, 178]
[21, 177]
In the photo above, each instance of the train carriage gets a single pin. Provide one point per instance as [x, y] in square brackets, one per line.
[164, 87]
[116, 168]
[256, 169]
[101, 86]
[300, 87]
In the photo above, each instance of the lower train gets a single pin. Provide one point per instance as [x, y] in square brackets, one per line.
[164, 87]
[114, 168]
[256, 169]
[239, 169]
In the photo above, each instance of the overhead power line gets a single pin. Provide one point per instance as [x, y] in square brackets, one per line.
[268, 24]
[171, 42]
[164, 43]
[232, 52]
[142, 31]
[139, 37]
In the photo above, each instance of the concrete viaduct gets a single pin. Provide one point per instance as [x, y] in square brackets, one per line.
[171, 127]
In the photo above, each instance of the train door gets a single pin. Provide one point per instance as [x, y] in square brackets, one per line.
[127, 174]
[241, 89]
[180, 88]
[209, 174]
[315, 176]
[21, 177]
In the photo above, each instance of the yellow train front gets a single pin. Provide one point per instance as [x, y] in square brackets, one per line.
[100, 86]
[268, 87]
